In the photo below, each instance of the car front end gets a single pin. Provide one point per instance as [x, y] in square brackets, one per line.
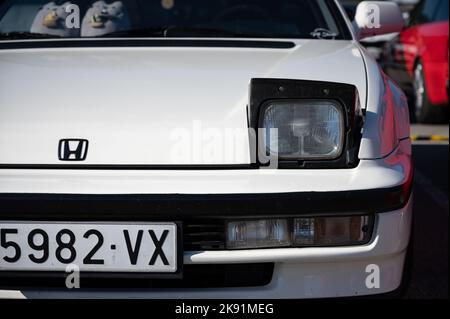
[202, 167]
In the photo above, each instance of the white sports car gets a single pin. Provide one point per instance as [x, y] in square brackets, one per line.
[200, 149]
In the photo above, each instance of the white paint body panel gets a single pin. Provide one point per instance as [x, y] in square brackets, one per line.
[131, 103]
[387, 113]
[370, 174]
[137, 120]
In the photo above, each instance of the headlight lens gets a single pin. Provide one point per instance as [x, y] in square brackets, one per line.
[299, 232]
[331, 231]
[306, 129]
[258, 234]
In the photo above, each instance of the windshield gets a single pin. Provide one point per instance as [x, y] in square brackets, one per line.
[31, 19]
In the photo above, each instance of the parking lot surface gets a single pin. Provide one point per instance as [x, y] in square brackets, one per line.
[431, 212]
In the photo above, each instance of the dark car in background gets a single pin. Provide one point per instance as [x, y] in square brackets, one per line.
[418, 60]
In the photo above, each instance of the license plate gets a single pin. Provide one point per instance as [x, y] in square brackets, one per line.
[93, 247]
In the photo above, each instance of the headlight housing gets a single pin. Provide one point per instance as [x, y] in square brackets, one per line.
[312, 231]
[262, 233]
[317, 125]
[303, 129]
[331, 231]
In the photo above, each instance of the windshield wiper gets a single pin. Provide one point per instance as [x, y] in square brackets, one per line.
[26, 35]
[176, 31]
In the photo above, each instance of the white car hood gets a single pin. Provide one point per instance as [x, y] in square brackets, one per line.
[149, 106]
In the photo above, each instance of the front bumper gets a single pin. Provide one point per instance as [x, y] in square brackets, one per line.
[298, 272]
[379, 187]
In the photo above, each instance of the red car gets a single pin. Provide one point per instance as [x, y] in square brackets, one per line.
[418, 59]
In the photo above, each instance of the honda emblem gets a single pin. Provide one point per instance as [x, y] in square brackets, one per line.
[73, 149]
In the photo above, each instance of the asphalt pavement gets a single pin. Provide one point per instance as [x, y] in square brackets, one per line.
[430, 277]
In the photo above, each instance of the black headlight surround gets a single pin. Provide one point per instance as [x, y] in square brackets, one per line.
[263, 91]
